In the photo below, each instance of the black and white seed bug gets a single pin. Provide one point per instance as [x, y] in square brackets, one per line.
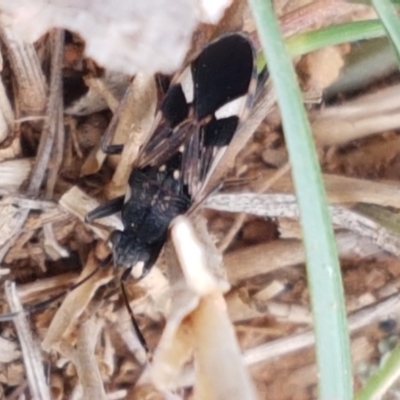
[197, 120]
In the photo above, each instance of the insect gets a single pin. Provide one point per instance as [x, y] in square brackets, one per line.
[197, 120]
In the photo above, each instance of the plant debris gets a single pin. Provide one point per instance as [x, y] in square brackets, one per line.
[226, 308]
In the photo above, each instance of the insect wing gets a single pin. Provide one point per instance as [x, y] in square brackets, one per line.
[202, 109]
[198, 118]
[222, 73]
[172, 127]
[225, 80]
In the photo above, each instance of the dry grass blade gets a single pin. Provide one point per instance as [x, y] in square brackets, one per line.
[282, 205]
[131, 123]
[357, 320]
[316, 12]
[79, 204]
[53, 248]
[94, 161]
[13, 173]
[84, 359]
[49, 131]
[104, 92]
[345, 189]
[51, 124]
[58, 151]
[16, 222]
[135, 121]
[286, 253]
[97, 156]
[32, 204]
[368, 115]
[8, 351]
[75, 303]
[99, 85]
[31, 82]
[6, 112]
[239, 220]
[30, 349]
[32, 291]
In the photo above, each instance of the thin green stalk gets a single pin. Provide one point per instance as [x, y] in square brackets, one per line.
[333, 35]
[378, 385]
[388, 16]
[323, 268]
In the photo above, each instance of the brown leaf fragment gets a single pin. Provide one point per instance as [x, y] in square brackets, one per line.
[221, 372]
[75, 302]
[146, 392]
[198, 323]
[135, 119]
[79, 204]
[84, 359]
[8, 350]
[103, 92]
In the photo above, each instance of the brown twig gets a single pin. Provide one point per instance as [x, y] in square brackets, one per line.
[51, 124]
[314, 13]
[282, 205]
[135, 120]
[30, 350]
[47, 138]
[357, 320]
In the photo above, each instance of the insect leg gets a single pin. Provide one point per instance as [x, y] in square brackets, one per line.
[262, 79]
[154, 253]
[106, 145]
[113, 149]
[104, 210]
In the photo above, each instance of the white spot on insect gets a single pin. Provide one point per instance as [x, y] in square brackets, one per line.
[176, 174]
[137, 271]
[128, 194]
[162, 168]
[186, 81]
[232, 109]
[181, 149]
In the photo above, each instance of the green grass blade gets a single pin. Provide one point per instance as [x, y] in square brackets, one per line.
[388, 16]
[323, 268]
[377, 386]
[333, 35]
[307, 42]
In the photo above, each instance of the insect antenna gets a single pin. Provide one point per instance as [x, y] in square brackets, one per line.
[204, 196]
[43, 304]
[138, 332]
[241, 181]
